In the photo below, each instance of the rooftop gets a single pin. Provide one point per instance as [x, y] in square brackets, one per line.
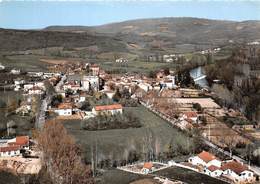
[108, 107]
[235, 166]
[206, 156]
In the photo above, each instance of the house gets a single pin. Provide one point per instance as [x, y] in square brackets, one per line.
[22, 141]
[205, 159]
[121, 60]
[90, 82]
[190, 116]
[15, 71]
[26, 87]
[168, 83]
[35, 90]
[160, 74]
[2, 67]
[9, 151]
[64, 109]
[213, 171]
[109, 93]
[19, 81]
[94, 69]
[107, 109]
[237, 171]
[74, 86]
[147, 168]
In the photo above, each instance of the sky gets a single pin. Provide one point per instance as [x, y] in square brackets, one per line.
[36, 14]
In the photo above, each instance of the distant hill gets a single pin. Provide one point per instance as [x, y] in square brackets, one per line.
[19, 40]
[136, 36]
[178, 30]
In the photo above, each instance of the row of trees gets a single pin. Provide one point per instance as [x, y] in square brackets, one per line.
[108, 121]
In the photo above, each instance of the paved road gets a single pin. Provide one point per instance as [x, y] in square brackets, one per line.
[59, 85]
[40, 118]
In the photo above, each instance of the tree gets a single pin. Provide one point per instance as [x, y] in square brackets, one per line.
[117, 96]
[61, 155]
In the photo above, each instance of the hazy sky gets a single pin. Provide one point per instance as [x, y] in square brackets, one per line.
[38, 14]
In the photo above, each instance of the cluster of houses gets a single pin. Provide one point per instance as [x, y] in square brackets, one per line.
[207, 51]
[14, 147]
[168, 58]
[233, 170]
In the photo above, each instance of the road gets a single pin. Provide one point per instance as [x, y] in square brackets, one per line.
[61, 82]
[40, 118]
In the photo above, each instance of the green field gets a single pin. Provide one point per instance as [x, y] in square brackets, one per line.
[33, 63]
[24, 62]
[188, 176]
[115, 144]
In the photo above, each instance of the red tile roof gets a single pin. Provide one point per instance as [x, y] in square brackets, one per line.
[191, 114]
[235, 166]
[148, 165]
[65, 106]
[206, 156]
[9, 148]
[20, 141]
[108, 107]
[213, 168]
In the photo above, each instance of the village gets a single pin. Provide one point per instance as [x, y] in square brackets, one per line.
[85, 92]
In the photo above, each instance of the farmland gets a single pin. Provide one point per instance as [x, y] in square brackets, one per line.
[116, 144]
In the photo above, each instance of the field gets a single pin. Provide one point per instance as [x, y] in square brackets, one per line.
[115, 176]
[187, 176]
[24, 62]
[40, 63]
[134, 66]
[23, 124]
[116, 144]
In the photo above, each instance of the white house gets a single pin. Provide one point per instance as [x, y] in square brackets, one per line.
[147, 168]
[109, 93]
[237, 171]
[95, 69]
[64, 109]
[19, 82]
[35, 90]
[72, 86]
[213, 171]
[168, 83]
[205, 159]
[121, 60]
[2, 67]
[26, 87]
[22, 141]
[90, 82]
[9, 151]
[15, 71]
[107, 109]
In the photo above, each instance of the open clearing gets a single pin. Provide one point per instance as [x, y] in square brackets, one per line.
[115, 144]
[188, 176]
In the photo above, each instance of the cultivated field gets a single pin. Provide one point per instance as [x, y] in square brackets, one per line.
[115, 144]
